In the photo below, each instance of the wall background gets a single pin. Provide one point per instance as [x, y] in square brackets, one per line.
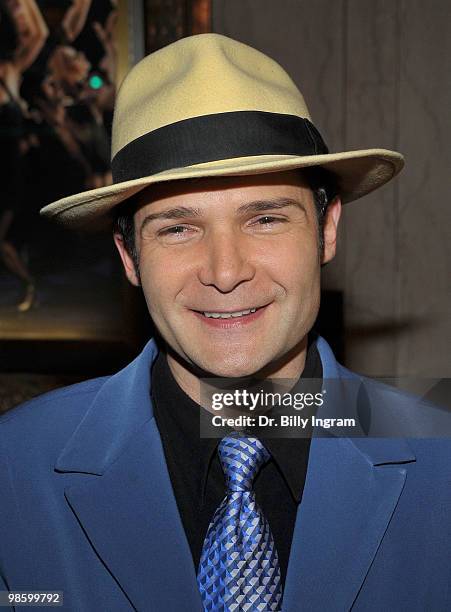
[376, 73]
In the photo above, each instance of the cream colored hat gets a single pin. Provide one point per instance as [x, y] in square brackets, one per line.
[208, 105]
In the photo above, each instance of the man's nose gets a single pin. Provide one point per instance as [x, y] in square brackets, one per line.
[225, 262]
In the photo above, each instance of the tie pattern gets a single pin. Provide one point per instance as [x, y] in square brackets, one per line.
[239, 568]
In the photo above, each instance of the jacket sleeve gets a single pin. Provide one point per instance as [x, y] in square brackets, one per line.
[4, 515]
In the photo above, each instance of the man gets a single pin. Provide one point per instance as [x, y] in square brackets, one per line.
[225, 205]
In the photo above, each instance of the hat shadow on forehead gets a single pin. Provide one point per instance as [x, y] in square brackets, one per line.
[244, 189]
[205, 106]
[200, 185]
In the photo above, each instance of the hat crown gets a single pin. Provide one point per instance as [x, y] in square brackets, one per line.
[200, 75]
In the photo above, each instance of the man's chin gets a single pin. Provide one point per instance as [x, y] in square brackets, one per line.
[239, 367]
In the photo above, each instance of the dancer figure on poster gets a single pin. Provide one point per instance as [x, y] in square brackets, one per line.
[22, 36]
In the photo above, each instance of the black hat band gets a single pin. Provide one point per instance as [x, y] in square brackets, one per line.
[214, 137]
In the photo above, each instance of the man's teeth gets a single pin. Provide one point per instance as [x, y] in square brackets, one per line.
[228, 315]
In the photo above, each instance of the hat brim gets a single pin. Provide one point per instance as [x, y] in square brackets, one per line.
[357, 173]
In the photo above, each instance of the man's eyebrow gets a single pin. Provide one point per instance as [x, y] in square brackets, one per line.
[271, 204]
[180, 212]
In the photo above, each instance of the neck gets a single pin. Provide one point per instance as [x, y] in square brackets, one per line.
[188, 376]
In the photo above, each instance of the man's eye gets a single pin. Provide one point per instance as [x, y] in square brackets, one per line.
[268, 220]
[176, 233]
[176, 229]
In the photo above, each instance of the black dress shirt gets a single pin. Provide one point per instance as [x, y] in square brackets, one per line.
[196, 473]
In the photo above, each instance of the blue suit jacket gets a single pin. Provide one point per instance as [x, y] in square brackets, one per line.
[87, 507]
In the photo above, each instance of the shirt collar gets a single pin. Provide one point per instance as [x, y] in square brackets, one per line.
[177, 417]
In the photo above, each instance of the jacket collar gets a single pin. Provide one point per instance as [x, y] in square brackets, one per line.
[122, 405]
[356, 397]
[120, 408]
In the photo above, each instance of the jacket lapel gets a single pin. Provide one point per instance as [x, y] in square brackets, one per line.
[345, 510]
[125, 502]
[351, 491]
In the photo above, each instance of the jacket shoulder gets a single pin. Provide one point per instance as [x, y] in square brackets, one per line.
[50, 416]
[397, 414]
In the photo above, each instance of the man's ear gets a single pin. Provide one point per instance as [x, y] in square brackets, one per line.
[330, 227]
[127, 260]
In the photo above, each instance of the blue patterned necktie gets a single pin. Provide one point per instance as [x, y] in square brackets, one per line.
[239, 568]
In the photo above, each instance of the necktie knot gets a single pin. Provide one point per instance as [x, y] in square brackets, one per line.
[241, 459]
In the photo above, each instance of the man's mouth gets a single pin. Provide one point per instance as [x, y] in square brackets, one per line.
[222, 319]
[228, 315]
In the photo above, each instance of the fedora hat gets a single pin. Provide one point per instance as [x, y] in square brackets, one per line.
[207, 106]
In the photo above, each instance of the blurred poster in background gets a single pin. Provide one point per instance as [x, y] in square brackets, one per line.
[66, 311]
[57, 84]
[169, 20]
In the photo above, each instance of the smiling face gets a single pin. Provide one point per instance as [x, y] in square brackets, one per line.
[230, 269]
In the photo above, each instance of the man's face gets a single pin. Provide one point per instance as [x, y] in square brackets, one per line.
[212, 248]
